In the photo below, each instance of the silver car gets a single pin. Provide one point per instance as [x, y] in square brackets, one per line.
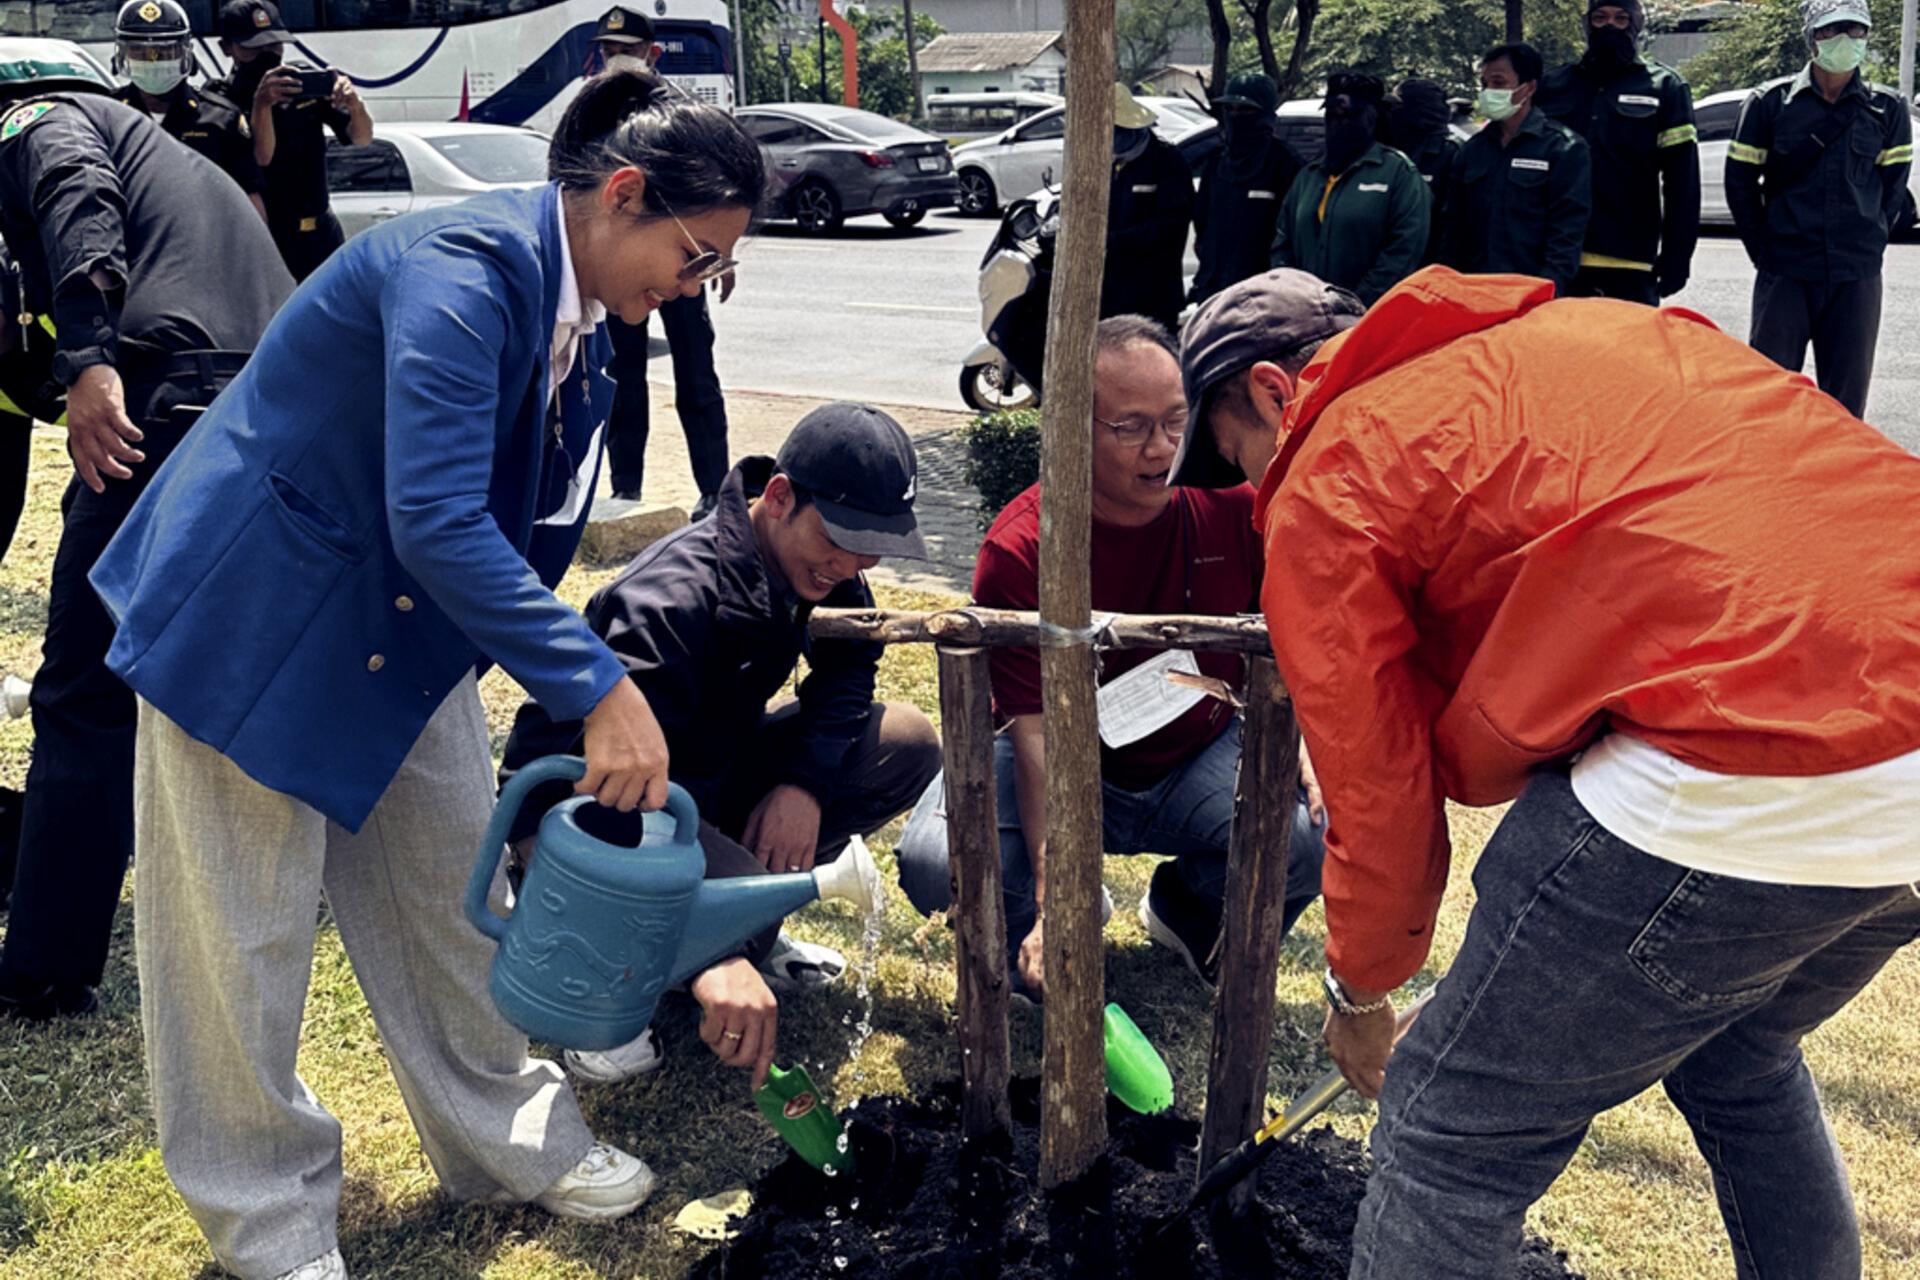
[421, 165]
[829, 163]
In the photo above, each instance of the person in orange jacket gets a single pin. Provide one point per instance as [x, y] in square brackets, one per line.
[1608, 563]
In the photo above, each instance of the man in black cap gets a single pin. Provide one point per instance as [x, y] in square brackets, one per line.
[710, 623]
[1241, 186]
[153, 48]
[159, 279]
[289, 131]
[1418, 120]
[1637, 118]
[624, 42]
[1359, 216]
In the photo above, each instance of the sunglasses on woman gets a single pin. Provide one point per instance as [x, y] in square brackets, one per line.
[705, 264]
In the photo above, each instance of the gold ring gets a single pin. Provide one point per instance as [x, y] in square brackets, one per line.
[735, 1035]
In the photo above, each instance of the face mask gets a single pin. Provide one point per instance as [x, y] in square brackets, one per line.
[1838, 55]
[625, 62]
[1611, 48]
[1498, 104]
[1246, 132]
[156, 78]
[1348, 138]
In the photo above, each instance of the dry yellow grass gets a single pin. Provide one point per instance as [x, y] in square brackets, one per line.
[83, 1194]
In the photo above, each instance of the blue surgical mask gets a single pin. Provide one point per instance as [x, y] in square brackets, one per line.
[1839, 55]
[1497, 104]
[156, 78]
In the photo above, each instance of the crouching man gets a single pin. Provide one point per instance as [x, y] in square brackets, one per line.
[1694, 662]
[1167, 778]
[710, 623]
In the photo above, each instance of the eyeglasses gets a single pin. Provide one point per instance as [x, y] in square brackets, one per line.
[706, 264]
[1135, 432]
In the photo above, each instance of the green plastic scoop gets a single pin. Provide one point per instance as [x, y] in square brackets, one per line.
[1136, 1073]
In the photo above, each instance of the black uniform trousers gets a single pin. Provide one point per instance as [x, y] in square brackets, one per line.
[1623, 283]
[16, 448]
[304, 250]
[77, 827]
[1842, 321]
[697, 397]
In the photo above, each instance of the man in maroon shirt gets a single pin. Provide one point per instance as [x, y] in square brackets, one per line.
[1169, 755]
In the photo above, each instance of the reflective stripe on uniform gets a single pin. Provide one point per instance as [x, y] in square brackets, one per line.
[1613, 264]
[1745, 154]
[1897, 155]
[1677, 136]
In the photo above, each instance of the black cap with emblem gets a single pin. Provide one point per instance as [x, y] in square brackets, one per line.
[859, 466]
[620, 25]
[252, 24]
[151, 22]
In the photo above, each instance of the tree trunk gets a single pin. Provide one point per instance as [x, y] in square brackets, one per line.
[1222, 31]
[1516, 21]
[1073, 1118]
[980, 920]
[913, 64]
[1250, 926]
[1261, 13]
[1305, 12]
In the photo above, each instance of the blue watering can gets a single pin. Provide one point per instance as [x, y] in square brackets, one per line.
[615, 907]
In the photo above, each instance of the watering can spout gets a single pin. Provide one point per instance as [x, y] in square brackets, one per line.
[725, 913]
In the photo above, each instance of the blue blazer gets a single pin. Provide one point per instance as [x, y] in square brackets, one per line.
[380, 501]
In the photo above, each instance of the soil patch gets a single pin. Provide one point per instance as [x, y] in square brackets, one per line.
[920, 1207]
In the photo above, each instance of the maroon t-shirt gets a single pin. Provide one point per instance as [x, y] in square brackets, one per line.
[1201, 555]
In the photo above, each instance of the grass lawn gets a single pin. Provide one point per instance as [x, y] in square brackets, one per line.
[83, 1193]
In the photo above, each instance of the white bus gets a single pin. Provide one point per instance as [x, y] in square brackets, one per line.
[515, 62]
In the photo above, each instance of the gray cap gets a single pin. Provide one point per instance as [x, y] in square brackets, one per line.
[1815, 14]
[1267, 317]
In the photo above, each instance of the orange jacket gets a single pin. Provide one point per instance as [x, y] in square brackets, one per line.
[1499, 524]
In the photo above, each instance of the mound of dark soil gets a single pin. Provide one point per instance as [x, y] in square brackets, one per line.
[920, 1207]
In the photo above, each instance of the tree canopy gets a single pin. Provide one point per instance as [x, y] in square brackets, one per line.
[1765, 41]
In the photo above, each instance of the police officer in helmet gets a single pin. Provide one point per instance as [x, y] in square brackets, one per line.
[153, 48]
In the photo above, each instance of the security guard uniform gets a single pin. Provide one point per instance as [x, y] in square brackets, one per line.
[1815, 187]
[299, 205]
[1638, 125]
[210, 125]
[1150, 207]
[1364, 229]
[1433, 156]
[92, 189]
[1241, 187]
[1520, 209]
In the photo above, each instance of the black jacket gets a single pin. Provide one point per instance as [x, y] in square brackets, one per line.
[710, 636]
[86, 184]
[1234, 214]
[1646, 164]
[1151, 208]
[1520, 209]
[210, 125]
[1433, 156]
[1813, 206]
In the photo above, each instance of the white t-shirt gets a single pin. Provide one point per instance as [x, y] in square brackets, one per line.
[574, 317]
[1855, 829]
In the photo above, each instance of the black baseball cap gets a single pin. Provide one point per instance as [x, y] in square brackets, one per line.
[858, 465]
[252, 24]
[620, 25]
[1267, 317]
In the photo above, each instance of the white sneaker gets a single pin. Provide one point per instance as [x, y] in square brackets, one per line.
[607, 1183]
[328, 1266]
[637, 1057]
[793, 966]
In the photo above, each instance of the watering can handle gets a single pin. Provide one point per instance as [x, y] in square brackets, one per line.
[546, 769]
[686, 818]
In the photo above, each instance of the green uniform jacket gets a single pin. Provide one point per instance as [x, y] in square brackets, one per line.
[1520, 209]
[1373, 233]
[1814, 207]
[1639, 129]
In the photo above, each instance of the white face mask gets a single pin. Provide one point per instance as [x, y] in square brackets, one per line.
[1838, 55]
[1497, 104]
[156, 78]
[625, 62]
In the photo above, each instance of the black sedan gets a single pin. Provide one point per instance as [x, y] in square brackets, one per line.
[830, 163]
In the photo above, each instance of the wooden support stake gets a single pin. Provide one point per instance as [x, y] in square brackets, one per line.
[1246, 633]
[1073, 1116]
[980, 919]
[1256, 896]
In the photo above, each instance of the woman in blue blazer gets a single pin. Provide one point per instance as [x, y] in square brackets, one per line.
[381, 502]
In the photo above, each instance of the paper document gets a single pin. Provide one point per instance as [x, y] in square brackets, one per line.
[1144, 701]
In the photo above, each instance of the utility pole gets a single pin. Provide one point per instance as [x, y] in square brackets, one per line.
[1516, 21]
[1907, 23]
[913, 64]
[823, 57]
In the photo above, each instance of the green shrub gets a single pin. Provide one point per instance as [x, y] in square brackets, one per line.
[1003, 458]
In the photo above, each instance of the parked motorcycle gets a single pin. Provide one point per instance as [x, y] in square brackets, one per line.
[1003, 371]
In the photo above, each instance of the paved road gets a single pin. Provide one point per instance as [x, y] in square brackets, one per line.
[876, 314]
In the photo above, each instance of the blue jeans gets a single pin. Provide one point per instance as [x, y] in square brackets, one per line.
[1590, 972]
[1188, 814]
